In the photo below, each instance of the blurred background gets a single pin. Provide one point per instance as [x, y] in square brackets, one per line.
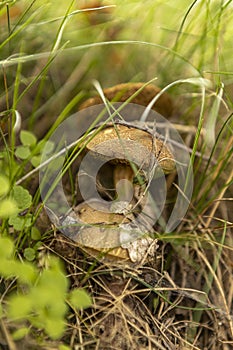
[51, 51]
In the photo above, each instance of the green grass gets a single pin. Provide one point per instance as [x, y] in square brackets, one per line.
[50, 54]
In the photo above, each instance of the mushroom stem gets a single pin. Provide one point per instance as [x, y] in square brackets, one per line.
[123, 181]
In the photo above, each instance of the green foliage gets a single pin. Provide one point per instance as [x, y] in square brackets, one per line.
[22, 197]
[42, 300]
[22, 201]
[6, 248]
[29, 254]
[35, 234]
[8, 208]
[4, 185]
[30, 149]
[12, 202]
[22, 152]
[25, 150]
[27, 138]
[20, 333]
[10, 267]
[20, 222]
[79, 299]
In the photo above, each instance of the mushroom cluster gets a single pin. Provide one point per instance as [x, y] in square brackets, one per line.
[116, 215]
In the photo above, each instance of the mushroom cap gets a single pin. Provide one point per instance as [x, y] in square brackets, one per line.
[100, 230]
[110, 234]
[122, 92]
[127, 143]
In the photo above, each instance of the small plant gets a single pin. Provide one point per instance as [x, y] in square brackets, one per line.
[40, 297]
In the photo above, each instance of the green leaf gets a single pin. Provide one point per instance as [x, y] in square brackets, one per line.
[20, 333]
[37, 245]
[4, 185]
[55, 328]
[8, 268]
[6, 248]
[29, 254]
[53, 281]
[57, 309]
[48, 144]
[8, 207]
[35, 161]
[19, 306]
[26, 272]
[16, 222]
[80, 299]
[22, 152]
[55, 275]
[22, 197]
[27, 138]
[35, 234]
[20, 222]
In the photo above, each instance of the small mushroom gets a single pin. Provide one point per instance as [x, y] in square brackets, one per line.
[122, 92]
[111, 235]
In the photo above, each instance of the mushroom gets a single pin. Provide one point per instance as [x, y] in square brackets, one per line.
[110, 235]
[122, 92]
[127, 154]
[124, 137]
[131, 152]
[100, 229]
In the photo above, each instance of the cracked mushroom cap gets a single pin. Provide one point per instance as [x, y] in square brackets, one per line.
[111, 234]
[122, 92]
[100, 229]
[126, 143]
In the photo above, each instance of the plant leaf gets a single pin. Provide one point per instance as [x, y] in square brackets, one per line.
[19, 222]
[80, 299]
[22, 152]
[20, 333]
[29, 254]
[35, 234]
[6, 248]
[8, 207]
[35, 161]
[27, 138]
[19, 306]
[22, 197]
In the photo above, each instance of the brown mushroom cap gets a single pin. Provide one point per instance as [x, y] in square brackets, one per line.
[126, 143]
[122, 92]
[104, 232]
[100, 230]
